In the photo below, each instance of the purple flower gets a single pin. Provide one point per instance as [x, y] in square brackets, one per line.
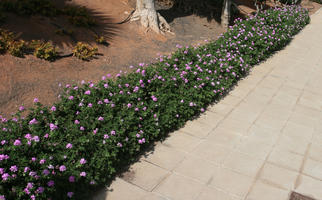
[113, 132]
[129, 105]
[53, 108]
[53, 126]
[71, 179]
[83, 174]
[82, 161]
[3, 157]
[2, 197]
[62, 168]
[42, 161]
[70, 97]
[51, 183]
[76, 121]
[100, 118]
[154, 98]
[3, 142]
[88, 92]
[5, 176]
[90, 105]
[69, 146]
[33, 121]
[119, 144]
[17, 143]
[81, 128]
[36, 100]
[40, 190]
[14, 168]
[70, 194]
[45, 172]
[26, 169]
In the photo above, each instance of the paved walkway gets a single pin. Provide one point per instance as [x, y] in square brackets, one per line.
[261, 142]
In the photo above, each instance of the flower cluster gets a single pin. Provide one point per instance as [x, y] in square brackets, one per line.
[83, 140]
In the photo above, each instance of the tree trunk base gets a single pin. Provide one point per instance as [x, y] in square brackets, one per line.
[151, 19]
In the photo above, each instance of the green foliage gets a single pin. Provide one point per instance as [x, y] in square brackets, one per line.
[100, 39]
[84, 51]
[29, 7]
[94, 130]
[17, 48]
[46, 51]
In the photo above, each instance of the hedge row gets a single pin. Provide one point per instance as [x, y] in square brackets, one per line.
[82, 141]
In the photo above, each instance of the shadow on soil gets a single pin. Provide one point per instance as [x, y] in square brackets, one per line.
[58, 29]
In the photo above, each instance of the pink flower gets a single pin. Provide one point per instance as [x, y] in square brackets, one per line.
[70, 97]
[51, 183]
[70, 194]
[83, 174]
[14, 168]
[53, 108]
[76, 121]
[113, 132]
[82, 161]
[17, 143]
[21, 108]
[88, 92]
[42, 161]
[100, 118]
[69, 146]
[36, 100]
[71, 179]
[62, 168]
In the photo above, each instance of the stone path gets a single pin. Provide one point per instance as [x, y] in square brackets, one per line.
[261, 142]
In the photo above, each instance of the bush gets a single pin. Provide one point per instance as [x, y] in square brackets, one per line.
[79, 16]
[84, 51]
[46, 51]
[83, 140]
[17, 48]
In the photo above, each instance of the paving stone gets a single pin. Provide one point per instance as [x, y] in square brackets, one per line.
[243, 163]
[286, 159]
[165, 157]
[315, 151]
[177, 187]
[264, 191]
[231, 100]
[278, 176]
[309, 187]
[212, 152]
[121, 190]
[154, 196]
[214, 194]
[313, 168]
[196, 168]
[197, 129]
[145, 175]
[254, 148]
[311, 100]
[224, 137]
[270, 122]
[221, 109]
[235, 126]
[231, 181]
[262, 134]
[209, 118]
[181, 141]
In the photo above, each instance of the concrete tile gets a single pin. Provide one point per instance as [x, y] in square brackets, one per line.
[197, 129]
[247, 116]
[298, 131]
[286, 159]
[300, 119]
[214, 194]
[177, 187]
[121, 190]
[312, 100]
[196, 168]
[309, 187]
[270, 122]
[210, 119]
[243, 164]
[231, 182]
[264, 191]
[224, 137]
[288, 143]
[234, 125]
[221, 109]
[231, 100]
[165, 157]
[212, 152]
[181, 141]
[278, 176]
[315, 151]
[263, 134]
[154, 196]
[313, 168]
[254, 148]
[145, 175]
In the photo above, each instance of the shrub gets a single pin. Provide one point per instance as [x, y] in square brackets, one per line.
[46, 51]
[84, 51]
[84, 139]
[79, 16]
[17, 48]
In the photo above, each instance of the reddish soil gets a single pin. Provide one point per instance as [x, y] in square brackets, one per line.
[23, 79]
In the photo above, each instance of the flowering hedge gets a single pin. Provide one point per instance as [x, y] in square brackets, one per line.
[82, 141]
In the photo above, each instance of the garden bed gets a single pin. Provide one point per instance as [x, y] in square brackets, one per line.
[94, 130]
